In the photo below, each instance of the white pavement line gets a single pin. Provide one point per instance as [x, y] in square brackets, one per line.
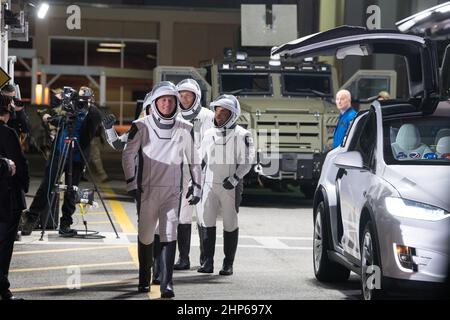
[271, 243]
[283, 247]
[83, 285]
[20, 253]
[130, 238]
[94, 265]
[279, 238]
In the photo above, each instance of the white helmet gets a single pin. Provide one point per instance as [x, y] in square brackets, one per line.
[163, 88]
[192, 86]
[229, 102]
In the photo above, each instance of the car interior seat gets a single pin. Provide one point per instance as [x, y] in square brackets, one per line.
[408, 144]
[441, 133]
[443, 146]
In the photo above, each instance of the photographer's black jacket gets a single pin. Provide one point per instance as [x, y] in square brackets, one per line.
[21, 123]
[12, 189]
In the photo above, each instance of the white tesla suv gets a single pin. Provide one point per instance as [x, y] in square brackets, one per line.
[382, 206]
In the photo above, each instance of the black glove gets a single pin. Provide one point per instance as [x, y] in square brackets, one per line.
[230, 182]
[194, 201]
[108, 121]
[190, 191]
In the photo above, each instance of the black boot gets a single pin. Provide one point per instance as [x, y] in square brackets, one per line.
[145, 255]
[7, 295]
[184, 244]
[230, 241]
[209, 245]
[66, 231]
[28, 223]
[156, 260]
[200, 236]
[168, 250]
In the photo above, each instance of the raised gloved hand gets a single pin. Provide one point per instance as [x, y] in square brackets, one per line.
[230, 182]
[108, 121]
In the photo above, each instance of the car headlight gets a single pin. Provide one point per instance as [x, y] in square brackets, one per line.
[414, 210]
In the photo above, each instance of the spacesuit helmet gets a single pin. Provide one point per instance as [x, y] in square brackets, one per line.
[163, 88]
[231, 103]
[192, 86]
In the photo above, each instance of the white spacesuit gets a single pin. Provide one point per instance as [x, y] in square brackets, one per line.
[228, 153]
[157, 146]
[201, 119]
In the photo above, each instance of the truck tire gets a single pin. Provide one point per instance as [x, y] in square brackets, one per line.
[325, 270]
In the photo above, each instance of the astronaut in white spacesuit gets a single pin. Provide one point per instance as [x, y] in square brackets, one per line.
[202, 119]
[228, 154]
[157, 146]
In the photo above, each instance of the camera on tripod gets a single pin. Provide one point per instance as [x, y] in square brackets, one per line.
[74, 102]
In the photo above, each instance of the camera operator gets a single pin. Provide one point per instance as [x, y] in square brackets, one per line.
[80, 120]
[54, 110]
[14, 183]
[19, 120]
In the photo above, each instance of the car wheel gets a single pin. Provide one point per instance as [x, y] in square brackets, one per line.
[370, 267]
[324, 269]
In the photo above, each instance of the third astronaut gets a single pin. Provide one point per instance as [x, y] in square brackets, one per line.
[227, 154]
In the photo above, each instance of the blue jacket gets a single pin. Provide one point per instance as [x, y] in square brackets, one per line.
[344, 122]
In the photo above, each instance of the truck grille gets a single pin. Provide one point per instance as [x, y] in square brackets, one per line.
[302, 135]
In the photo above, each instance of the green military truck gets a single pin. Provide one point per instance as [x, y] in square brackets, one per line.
[288, 107]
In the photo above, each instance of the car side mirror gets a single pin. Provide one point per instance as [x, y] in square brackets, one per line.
[349, 160]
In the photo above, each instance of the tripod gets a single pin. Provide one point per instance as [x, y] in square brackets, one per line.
[66, 158]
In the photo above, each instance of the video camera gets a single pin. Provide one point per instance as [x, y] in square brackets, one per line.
[74, 103]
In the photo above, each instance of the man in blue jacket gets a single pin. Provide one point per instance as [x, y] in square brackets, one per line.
[343, 103]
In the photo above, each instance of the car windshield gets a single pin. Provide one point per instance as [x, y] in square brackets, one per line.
[424, 140]
[306, 85]
[245, 83]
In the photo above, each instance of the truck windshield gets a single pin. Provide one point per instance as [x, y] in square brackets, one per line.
[245, 83]
[306, 85]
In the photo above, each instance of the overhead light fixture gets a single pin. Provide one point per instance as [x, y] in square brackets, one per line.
[42, 10]
[110, 50]
[112, 45]
[39, 94]
[151, 56]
